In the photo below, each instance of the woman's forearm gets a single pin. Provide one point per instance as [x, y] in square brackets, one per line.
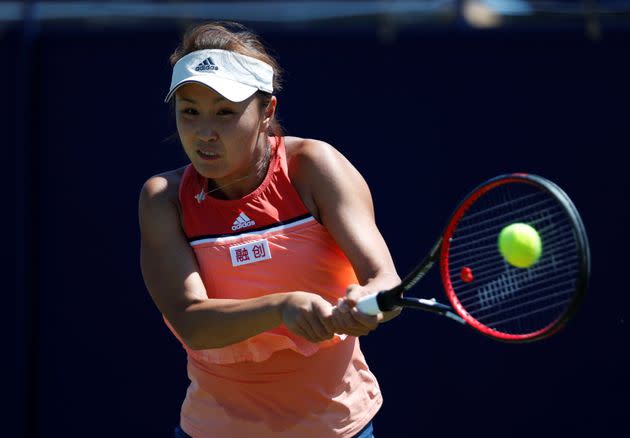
[215, 323]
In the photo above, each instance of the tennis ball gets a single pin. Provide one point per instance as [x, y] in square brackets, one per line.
[520, 245]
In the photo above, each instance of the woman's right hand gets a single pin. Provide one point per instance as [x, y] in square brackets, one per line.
[308, 315]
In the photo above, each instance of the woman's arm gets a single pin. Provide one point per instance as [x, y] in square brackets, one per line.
[339, 197]
[171, 275]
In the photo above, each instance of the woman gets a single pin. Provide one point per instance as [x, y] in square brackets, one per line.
[256, 254]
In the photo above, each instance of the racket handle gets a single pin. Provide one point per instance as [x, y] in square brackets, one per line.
[369, 305]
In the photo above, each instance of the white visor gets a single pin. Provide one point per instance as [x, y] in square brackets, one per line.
[234, 76]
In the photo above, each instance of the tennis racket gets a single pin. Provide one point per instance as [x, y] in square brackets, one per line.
[485, 291]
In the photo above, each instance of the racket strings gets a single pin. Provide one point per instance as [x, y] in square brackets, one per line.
[557, 299]
[489, 251]
[491, 232]
[491, 267]
[487, 301]
[488, 224]
[506, 202]
[538, 310]
[509, 280]
[500, 296]
[484, 272]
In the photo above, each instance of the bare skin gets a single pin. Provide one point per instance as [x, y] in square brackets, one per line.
[226, 143]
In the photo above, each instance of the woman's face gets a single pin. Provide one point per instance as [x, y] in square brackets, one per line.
[220, 137]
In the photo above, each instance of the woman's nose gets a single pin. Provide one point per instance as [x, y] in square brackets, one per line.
[207, 133]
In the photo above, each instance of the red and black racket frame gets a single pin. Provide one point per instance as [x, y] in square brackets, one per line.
[394, 298]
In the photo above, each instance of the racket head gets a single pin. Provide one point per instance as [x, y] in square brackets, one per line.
[502, 301]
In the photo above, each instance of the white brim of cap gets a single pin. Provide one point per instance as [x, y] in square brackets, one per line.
[231, 90]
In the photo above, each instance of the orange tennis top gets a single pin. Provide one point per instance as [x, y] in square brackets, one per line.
[274, 384]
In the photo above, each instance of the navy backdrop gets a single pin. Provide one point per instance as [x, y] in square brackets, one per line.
[425, 117]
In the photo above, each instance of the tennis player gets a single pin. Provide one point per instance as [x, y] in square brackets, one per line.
[256, 254]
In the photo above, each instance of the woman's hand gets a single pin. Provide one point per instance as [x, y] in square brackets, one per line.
[308, 315]
[347, 319]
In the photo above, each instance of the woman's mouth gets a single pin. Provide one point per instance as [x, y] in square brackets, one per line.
[207, 155]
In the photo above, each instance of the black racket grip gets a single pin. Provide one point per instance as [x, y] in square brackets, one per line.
[388, 301]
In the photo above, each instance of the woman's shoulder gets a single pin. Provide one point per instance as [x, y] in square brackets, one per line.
[308, 151]
[162, 188]
[306, 158]
[159, 213]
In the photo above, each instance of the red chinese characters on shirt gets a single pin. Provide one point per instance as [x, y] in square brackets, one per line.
[242, 255]
[259, 251]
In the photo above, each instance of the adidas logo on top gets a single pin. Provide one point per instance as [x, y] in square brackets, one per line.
[206, 65]
[242, 221]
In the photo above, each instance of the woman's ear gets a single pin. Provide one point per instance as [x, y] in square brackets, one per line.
[270, 111]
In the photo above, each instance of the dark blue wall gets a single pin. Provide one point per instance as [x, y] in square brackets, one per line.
[424, 118]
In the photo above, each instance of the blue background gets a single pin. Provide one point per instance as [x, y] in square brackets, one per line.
[425, 116]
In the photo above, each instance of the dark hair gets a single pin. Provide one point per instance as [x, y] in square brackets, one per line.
[235, 37]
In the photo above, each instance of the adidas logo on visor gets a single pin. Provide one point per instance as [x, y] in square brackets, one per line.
[206, 65]
[242, 221]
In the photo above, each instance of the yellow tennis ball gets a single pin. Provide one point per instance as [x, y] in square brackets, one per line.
[520, 245]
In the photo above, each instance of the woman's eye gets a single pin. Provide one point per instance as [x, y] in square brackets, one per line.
[190, 111]
[225, 112]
